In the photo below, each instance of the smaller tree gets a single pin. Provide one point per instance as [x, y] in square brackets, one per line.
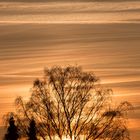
[32, 130]
[12, 131]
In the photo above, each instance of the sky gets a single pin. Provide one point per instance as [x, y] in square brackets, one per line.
[103, 37]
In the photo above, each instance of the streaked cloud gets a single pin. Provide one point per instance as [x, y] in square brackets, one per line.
[70, 12]
[108, 44]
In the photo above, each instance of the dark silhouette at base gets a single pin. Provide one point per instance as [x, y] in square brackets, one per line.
[32, 130]
[12, 131]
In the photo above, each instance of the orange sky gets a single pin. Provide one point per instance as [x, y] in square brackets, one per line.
[100, 37]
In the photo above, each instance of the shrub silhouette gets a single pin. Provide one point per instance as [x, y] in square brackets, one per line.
[12, 131]
[71, 103]
[32, 130]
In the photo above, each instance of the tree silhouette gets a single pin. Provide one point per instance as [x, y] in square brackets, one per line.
[71, 103]
[12, 132]
[32, 130]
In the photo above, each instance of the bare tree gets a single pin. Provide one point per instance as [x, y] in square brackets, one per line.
[71, 103]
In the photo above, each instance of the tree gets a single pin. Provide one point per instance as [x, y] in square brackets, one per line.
[70, 103]
[12, 131]
[32, 130]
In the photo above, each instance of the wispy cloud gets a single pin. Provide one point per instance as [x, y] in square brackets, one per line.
[68, 12]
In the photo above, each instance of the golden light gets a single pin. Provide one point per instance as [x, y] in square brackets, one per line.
[66, 138]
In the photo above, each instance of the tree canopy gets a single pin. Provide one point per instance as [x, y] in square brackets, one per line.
[69, 103]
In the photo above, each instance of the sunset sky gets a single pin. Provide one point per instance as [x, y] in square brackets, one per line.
[102, 36]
